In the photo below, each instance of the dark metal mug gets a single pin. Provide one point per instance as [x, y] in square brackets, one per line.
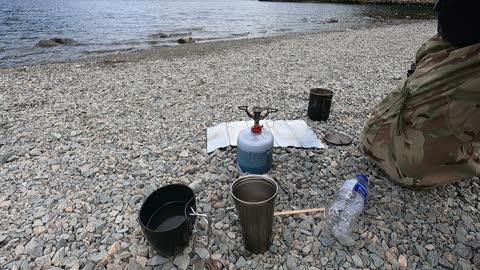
[319, 104]
[254, 197]
[167, 218]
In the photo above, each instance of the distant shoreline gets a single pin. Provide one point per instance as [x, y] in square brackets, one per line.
[376, 2]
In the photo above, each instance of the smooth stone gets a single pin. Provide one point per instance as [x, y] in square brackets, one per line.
[357, 261]
[241, 262]
[377, 261]
[196, 186]
[326, 242]
[421, 251]
[307, 248]
[203, 253]
[6, 157]
[182, 261]
[433, 257]
[291, 262]
[155, 260]
[287, 236]
[402, 261]
[463, 251]
[96, 257]
[43, 261]
[34, 248]
[476, 260]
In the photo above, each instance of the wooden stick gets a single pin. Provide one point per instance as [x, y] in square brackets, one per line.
[301, 211]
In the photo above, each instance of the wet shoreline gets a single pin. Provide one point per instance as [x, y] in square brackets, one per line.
[373, 2]
[200, 48]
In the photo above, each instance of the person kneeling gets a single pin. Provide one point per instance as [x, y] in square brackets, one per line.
[426, 133]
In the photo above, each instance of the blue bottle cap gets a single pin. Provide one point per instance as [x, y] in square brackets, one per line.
[362, 177]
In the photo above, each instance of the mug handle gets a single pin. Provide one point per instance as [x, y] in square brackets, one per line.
[206, 218]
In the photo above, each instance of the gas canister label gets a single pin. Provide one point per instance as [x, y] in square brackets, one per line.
[256, 163]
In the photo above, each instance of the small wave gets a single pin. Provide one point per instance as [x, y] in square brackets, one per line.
[159, 42]
[191, 29]
[169, 34]
[210, 39]
[196, 29]
[241, 34]
[113, 43]
[16, 56]
[284, 29]
[88, 52]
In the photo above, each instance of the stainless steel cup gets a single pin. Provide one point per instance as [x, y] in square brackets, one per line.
[254, 197]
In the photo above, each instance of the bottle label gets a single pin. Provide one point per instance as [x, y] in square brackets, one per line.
[362, 190]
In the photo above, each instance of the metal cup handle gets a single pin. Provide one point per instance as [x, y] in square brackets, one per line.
[206, 218]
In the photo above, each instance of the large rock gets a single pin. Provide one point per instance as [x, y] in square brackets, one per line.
[187, 40]
[64, 41]
[45, 43]
[331, 20]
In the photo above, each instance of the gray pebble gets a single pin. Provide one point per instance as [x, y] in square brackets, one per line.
[433, 258]
[357, 261]
[182, 261]
[196, 186]
[476, 260]
[34, 248]
[291, 262]
[203, 253]
[287, 236]
[464, 251]
[377, 261]
[43, 261]
[241, 262]
[96, 257]
[6, 157]
[156, 260]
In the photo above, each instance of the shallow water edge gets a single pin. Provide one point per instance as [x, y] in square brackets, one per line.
[200, 48]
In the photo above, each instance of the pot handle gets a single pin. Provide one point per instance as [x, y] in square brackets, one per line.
[206, 218]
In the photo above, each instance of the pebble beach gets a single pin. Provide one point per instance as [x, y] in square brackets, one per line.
[83, 143]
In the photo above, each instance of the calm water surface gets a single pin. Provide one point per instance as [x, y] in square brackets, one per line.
[108, 26]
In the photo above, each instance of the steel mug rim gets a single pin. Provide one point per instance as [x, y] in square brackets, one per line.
[248, 177]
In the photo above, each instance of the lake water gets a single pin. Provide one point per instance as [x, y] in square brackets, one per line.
[108, 26]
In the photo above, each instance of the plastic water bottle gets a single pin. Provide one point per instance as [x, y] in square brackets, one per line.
[342, 214]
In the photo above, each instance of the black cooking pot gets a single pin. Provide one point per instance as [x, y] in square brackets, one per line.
[166, 218]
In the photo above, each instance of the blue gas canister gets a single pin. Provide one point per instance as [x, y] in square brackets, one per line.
[255, 144]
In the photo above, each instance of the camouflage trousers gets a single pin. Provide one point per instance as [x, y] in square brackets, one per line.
[426, 133]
